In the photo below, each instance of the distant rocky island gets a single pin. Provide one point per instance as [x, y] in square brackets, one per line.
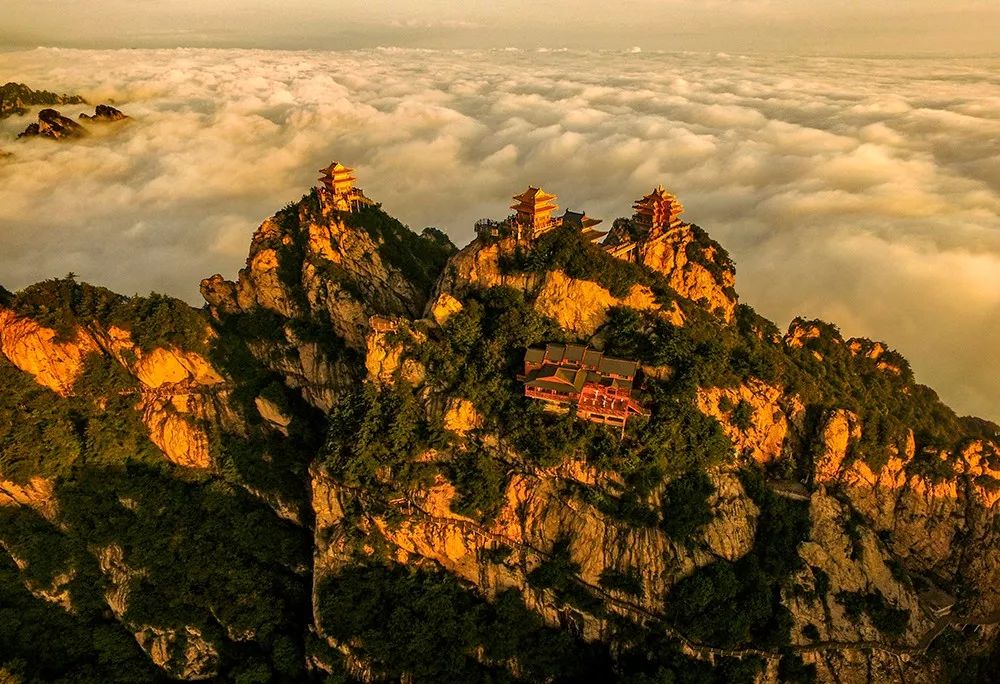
[558, 454]
[17, 99]
[52, 124]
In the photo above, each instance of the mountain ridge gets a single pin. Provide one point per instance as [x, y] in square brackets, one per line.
[353, 393]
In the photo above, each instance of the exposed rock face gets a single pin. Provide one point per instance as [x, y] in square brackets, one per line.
[273, 414]
[52, 124]
[323, 306]
[877, 352]
[36, 493]
[36, 350]
[477, 265]
[172, 381]
[671, 254]
[183, 653]
[444, 307]
[855, 565]
[755, 416]
[173, 429]
[461, 416]
[581, 306]
[535, 513]
[384, 357]
[320, 274]
[104, 113]
[315, 264]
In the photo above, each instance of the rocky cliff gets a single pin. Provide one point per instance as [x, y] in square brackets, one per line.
[331, 471]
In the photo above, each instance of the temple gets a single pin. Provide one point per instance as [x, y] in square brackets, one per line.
[655, 214]
[657, 211]
[337, 188]
[583, 223]
[600, 387]
[533, 211]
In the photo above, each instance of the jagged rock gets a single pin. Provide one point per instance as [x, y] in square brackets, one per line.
[764, 427]
[535, 514]
[36, 350]
[173, 414]
[104, 113]
[173, 427]
[670, 254]
[444, 307]
[581, 306]
[855, 565]
[461, 416]
[16, 98]
[270, 412]
[181, 652]
[52, 124]
[36, 493]
[220, 294]
[876, 351]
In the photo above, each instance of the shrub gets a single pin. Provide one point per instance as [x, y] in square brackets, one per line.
[886, 618]
[685, 505]
[626, 581]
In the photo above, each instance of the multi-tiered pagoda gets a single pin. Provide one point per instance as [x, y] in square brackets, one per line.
[337, 188]
[658, 211]
[533, 211]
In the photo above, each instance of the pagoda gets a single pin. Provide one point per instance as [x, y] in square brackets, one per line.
[337, 188]
[533, 212]
[658, 211]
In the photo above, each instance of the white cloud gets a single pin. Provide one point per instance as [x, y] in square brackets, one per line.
[862, 191]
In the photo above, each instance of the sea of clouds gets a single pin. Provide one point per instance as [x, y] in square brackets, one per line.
[861, 191]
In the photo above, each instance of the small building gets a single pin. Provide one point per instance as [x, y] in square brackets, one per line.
[533, 211]
[337, 188]
[599, 386]
[583, 223]
[657, 211]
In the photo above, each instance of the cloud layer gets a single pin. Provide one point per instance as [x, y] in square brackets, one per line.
[866, 192]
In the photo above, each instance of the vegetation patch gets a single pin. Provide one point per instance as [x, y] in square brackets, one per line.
[886, 618]
[731, 603]
[685, 505]
[429, 626]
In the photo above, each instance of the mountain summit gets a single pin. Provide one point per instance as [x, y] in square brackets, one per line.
[374, 457]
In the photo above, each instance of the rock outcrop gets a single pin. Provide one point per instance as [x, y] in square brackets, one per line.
[17, 98]
[172, 382]
[323, 275]
[581, 306]
[104, 114]
[36, 493]
[52, 124]
[824, 500]
[699, 272]
[38, 351]
[756, 417]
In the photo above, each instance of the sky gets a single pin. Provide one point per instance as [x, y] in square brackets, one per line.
[799, 26]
